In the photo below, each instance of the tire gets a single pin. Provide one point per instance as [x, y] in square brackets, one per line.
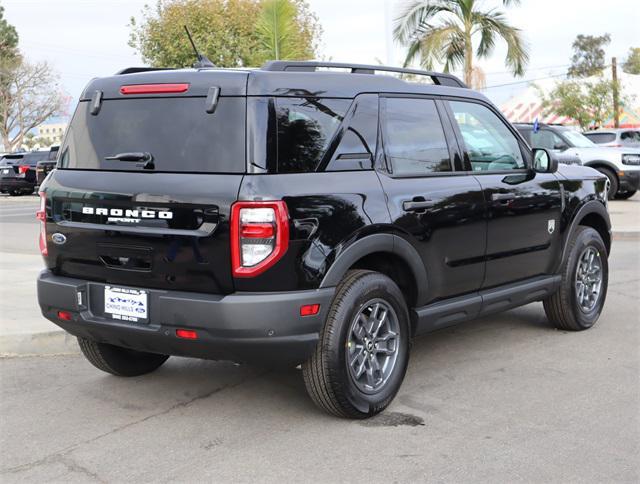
[330, 380]
[625, 195]
[563, 308]
[15, 193]
[120, 361]
[613, 181]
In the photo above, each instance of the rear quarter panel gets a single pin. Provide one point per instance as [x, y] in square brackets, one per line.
[327, 211]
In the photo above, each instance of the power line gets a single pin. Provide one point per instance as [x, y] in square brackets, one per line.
[532, 80]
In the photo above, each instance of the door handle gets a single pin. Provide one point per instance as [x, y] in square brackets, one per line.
[503, 197]
[415, 205]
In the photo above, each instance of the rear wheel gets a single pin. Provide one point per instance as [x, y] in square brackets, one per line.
[613, 181]
[15, 193]
[578, 302]
[625, 195]
[120, 361]
[362, 355]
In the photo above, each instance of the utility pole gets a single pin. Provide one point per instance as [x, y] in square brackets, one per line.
[616, 98]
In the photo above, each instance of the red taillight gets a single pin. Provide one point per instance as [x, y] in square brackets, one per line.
[154, 88]
[64, 315]
[309, 309]
[23, 169]
[186, 334]
[42, 216]
[259, 236]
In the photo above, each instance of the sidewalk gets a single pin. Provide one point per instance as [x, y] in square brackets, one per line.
[23, 330]
[625, 218]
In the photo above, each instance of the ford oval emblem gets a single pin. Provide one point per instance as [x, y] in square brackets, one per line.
[58, 238]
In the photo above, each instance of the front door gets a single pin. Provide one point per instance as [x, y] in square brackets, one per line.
[523, 207]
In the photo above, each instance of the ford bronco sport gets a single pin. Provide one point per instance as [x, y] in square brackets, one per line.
[297, 215]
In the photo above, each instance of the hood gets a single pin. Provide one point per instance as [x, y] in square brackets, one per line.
[578, 172]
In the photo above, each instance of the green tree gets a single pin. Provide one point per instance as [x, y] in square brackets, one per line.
[8, 40]
[632, 64]
[588, 103]
[287, 30]
[443, 32]
[223, 30]
[588, 55]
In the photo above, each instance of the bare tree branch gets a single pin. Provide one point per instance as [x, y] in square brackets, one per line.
[29, 95]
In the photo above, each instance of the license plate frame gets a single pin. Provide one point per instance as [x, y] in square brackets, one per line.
[126, 304]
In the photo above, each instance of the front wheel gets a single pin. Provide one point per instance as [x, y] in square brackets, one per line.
[613, 181]
[578, 302]
[625, 195]
[363, 351]
[119, 361]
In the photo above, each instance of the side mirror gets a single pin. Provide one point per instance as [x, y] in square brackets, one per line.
[544, 162]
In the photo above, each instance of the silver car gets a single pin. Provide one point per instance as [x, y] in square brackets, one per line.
[617, 138]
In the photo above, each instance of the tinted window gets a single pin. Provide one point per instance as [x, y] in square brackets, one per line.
[489, 143]
[414, 140]
[601, 137]
[178, 132]
[305, 127]
[630, 137]
[545, 138]
[34, 157]
[357, 136]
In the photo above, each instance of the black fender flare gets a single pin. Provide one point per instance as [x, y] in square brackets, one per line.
[607, 164]
[592, 206]
[379, 243]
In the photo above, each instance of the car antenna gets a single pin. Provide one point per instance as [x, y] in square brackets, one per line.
[202, 59]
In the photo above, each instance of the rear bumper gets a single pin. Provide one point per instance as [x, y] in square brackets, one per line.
[629, 181]
[263, 328]
[7, 184]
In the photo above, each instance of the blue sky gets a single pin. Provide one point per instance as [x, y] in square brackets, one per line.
[83, 39]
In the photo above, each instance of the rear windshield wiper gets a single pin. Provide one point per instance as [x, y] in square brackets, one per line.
[134, 157]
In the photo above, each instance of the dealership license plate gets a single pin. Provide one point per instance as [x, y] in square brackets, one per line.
[125, 304]
[5, 172]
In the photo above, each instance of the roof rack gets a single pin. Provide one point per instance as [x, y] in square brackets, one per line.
[133, 70]
[438, 78]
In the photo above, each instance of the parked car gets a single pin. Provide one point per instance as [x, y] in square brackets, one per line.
[291, 215]
[621, 166]
[616, 138]
[44, 167]
[18, 174]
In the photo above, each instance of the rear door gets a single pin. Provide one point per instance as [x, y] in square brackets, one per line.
[439, 210]
[145, 184]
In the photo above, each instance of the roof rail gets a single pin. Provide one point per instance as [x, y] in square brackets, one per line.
[133, 70]
[311, 66]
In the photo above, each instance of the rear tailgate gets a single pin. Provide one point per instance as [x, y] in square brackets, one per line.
[165, 226]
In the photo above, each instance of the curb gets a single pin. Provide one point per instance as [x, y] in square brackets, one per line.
[62, 343]
[626, 235]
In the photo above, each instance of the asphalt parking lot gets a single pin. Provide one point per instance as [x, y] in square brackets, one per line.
[501, 399]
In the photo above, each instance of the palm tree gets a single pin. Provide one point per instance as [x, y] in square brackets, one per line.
[442, 31]
[278, 30]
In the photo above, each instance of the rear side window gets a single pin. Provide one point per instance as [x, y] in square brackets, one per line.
[178, 132]
[600, 138]
[305, 128]
[630, 137]
[414, 140]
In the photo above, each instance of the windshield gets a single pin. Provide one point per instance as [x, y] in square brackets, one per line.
[578, 140]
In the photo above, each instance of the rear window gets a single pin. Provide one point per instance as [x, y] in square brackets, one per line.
[178, 132]
[601, 137]
[34, 158]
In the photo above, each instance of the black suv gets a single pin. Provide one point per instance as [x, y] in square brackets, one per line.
[18, 172]
[297, 215]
